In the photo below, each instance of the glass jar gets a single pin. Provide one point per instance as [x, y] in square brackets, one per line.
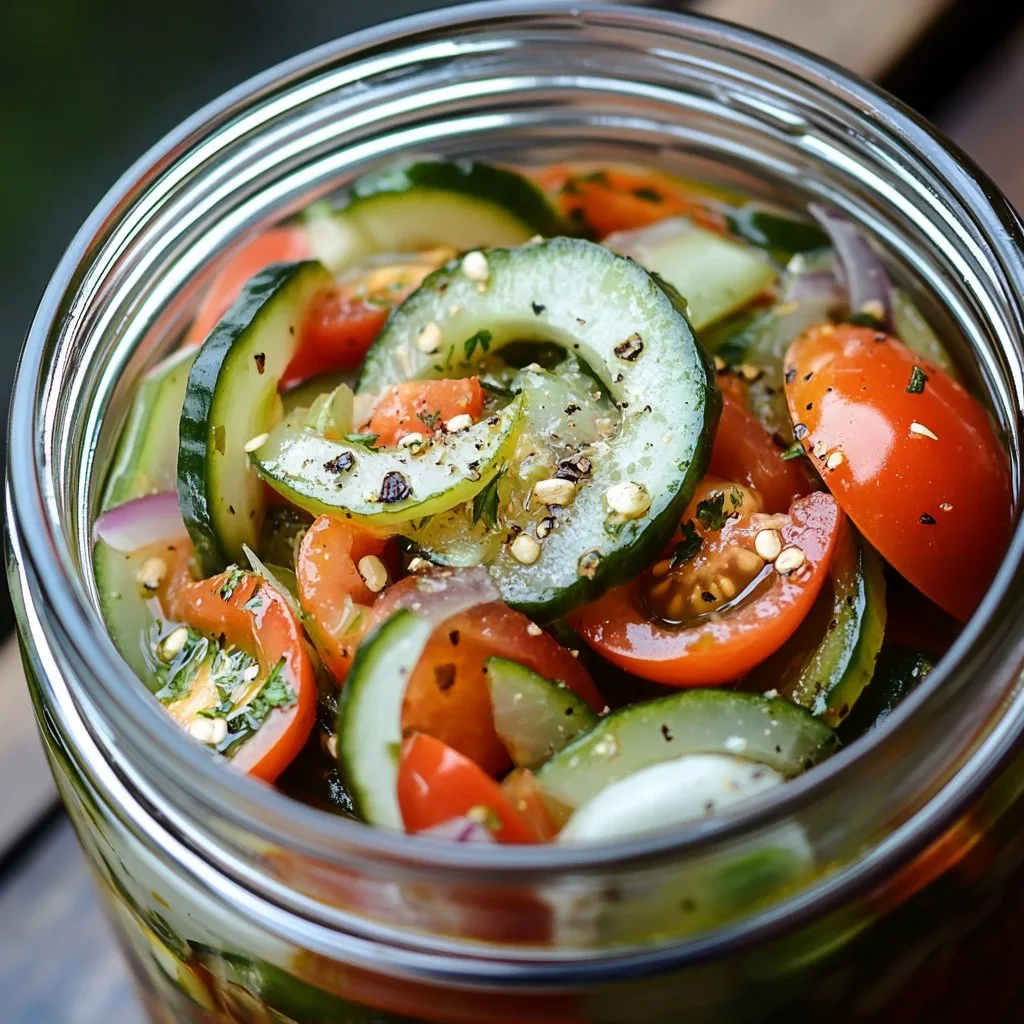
[837, 894]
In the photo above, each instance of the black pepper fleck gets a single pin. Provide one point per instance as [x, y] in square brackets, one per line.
[926, 520]
[340, 463]
[631, 348]
[394, 487]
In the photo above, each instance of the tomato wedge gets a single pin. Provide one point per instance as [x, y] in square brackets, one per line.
[522, 792]
[423, 407]
[448, 696]
[717, 647]
[332, 592]
[610, 199]
[910, 456]
[250, 614]
[278, 245]
[437, 783]
[744, 452]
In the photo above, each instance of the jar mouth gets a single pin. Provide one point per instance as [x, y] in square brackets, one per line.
[62, 341]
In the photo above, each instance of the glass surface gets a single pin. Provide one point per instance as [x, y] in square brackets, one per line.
[237, 883]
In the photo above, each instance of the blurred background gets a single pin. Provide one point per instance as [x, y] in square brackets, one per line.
[86, 86]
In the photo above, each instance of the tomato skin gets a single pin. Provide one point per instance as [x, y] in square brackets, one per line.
[939, 511]
[448, 696]
[724, 647]
[621, 200]
[437, 783]
[326, 569]
[522, 792]
[745, 453]
[423, 407]
[270, 632]
[278, 245]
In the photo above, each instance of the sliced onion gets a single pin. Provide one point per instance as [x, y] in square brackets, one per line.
[863, 273]
[460, 830]
[141, 522]
[818, 286]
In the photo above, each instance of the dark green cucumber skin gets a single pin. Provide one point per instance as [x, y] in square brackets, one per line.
[508, 189]
[195, 431]
[637, 548]
[898, 671]
[780, 236]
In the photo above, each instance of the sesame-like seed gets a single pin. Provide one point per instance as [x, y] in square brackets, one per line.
[768, 544]
[605, 426]
[747, 561]
[819, 449]
[428, 340]
[544, 527]
[417, 564]
[628, 499]
[332, 746]
[835, 460]
[475, 266]
[374, 573]
[554, 491]
[525, 550]
[250, 673]
[922, 431]
[749, 373]
[771, 694]
[719, 364]
[727, 587]
[533, 629]
[151, 573]
[735, 744]
[210, 731]
[789, 560]
[945, 506]
[873, 308]
[412, 439]
[256, 442]
[459, 423]
[173, 644]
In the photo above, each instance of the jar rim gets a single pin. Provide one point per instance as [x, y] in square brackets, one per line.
[49, 559]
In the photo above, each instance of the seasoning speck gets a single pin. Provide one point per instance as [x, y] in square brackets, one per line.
[394, 487]
[631, 348]
[926, 519]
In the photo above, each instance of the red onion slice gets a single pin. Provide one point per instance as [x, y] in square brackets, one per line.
[141, 522]
[459, 830]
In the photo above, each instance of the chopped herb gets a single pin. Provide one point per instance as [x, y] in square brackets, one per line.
[686, 550]
[735, 497]
[340, 463]
[429, 419]
[538, 308]
[649, 195]
[274, 693]
[865, 319]
[571, 408]
[917, 381]
[481, 338]
[794, 451]
[497, 389]
[234, 577]
[394, 487]
[255, 603]
[485, 504]
[711, 511]
[366, 440]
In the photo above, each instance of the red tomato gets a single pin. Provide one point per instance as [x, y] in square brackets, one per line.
[522, 792]
[448, 696]
[709, 649]
[436, 784]
[331, 591]
[422, 407]
[920, 472]
[745, 452]
[267, 629]
[619, 200]
[274, 246]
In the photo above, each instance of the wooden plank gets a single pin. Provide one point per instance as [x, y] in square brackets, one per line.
[985, 117]
[867, 36]
[58, 957]
[26, 787]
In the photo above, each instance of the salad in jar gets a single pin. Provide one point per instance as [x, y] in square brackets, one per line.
[558, 505]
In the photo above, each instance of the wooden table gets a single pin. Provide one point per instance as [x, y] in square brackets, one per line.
[58, 961]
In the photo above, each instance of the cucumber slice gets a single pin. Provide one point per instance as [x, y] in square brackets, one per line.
[534, 717]
[231, 397]
[386, 487]
[843, 663]
[426, 203]
[899, 671]
[370, 708]
[608, 311]
[303, 396]
[715, 275]
[910, 326]
[781, 236]
[671, 793]
[147, 453]
[776, 733]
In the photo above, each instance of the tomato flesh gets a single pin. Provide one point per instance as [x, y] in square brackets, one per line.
[913, 461]
[725, 644]
[256, 618]
[448, 696]
[423, 407]
[437, 783]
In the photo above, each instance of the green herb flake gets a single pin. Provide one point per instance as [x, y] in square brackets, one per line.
[686, 550]
[366, 440]
[497, 389]
[918, 378]
[711, 511]
[649, 195]
[429, 419]
[794, 451]
[235, 576]
[485, 504]
[481, 338]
